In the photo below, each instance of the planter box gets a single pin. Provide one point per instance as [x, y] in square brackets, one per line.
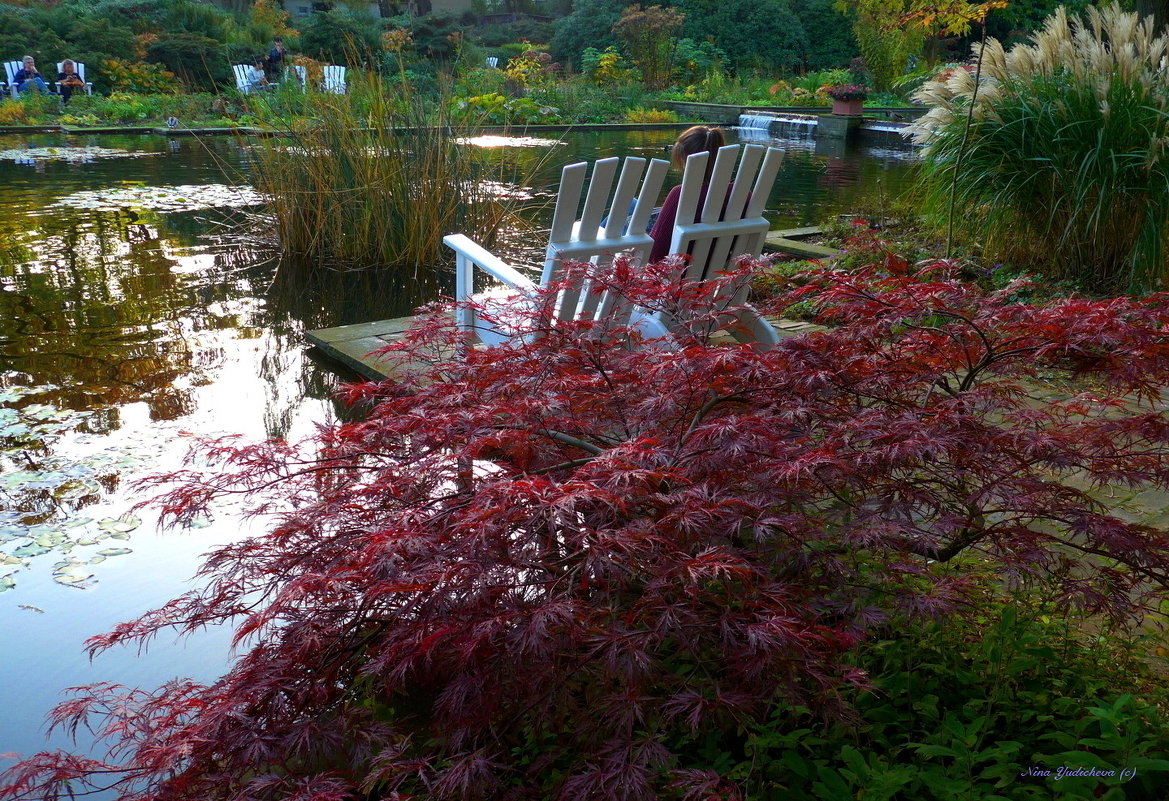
[848, 108]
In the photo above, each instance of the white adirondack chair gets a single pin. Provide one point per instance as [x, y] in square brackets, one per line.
[243, 81]
[80, 67]
[10, 70]
[299, 72]
[492, 61]
[334, 80]
[713, 243]
[572, 238]
[729, 224]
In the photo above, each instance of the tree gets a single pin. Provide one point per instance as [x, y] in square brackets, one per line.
[755, 34]
[648, 35]
[589, 25]
[542, 570]
[830, 39]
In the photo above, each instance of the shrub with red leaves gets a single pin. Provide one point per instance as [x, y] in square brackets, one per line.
[532, 572]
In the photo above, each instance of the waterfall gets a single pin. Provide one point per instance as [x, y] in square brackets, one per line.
[781, 126]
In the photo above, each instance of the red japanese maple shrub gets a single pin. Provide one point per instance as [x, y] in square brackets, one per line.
[528, 573]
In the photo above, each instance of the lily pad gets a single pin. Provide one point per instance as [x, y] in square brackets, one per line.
[72, 579]
[73, 155]
[119, 525]
[32, 549]
[7, 583]
[186, 197]
[114, 551]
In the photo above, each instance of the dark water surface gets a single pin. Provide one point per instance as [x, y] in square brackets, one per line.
[126, 323]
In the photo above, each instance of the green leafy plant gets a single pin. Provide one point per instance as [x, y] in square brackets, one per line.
[966, 710]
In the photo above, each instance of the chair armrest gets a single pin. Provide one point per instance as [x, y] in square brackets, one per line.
[487, 261]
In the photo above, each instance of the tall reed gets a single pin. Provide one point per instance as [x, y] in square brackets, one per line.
[1066, 165]
[375, 178]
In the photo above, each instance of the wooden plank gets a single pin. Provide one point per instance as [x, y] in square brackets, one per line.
[797, 233]
[804, 250]
[352, 345]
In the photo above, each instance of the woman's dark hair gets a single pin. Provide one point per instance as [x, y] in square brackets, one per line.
[695, 140]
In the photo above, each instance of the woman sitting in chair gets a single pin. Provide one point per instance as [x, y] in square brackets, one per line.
[68, 80]
[691, 141]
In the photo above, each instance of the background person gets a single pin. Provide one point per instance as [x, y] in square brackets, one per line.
[274, 63]
[28, 75]
[692, 140]
[256, 79]
[68, 80]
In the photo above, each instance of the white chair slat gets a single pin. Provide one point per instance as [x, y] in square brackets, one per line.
[600, 185]
[567, 202]
[631, 172]
[655, 176]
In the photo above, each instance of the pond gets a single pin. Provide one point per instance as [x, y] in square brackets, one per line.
[130, 315]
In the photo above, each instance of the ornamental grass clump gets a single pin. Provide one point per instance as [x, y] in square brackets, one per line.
[1064, 167]
[370, 180]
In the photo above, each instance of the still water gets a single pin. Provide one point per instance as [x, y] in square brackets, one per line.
[130, 315]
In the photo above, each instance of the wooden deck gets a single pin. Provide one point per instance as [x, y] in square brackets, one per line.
[354, 345]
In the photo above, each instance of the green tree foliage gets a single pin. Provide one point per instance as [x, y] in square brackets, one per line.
[830, 40]
[589, 25]
[339, 36]
[19, 36]
[885, 41]
[755, 34]
[197, 60]
[435, 36]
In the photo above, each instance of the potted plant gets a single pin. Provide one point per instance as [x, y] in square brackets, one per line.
[847, 99]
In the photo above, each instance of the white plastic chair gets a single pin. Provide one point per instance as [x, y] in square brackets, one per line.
[492, 61]
[80, 68]
[10, 69]
[713, 243]
[334, 80]
[728, 223]
[242, 81]
[300, 73]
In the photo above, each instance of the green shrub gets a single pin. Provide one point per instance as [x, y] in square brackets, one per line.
[1064, 168]
[960, 710]
[496, 109]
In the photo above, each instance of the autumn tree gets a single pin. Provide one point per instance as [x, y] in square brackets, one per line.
[540, 571]
[648, 36]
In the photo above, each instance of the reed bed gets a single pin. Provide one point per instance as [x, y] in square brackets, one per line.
[375, 179]
[1066, 168]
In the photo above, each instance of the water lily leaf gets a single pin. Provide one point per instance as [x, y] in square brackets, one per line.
[114, 551]
[121, 525]
[96, 560]
[7, 583]
[5, 559]
[30, 608]
[72, 579]
[31, 549]
[9, 532]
